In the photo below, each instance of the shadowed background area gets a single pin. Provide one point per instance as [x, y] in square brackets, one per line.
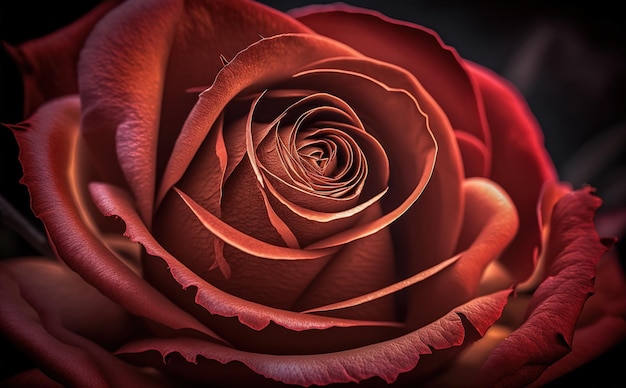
[568, 61]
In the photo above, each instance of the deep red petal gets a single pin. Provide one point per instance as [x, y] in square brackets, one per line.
[47, 151]
[41, 303]
[520, 163]
[602, 323]
[476, 156]
[282, 56]
[490, 223]
[145, 55]
[546, 335]
[385, 360]
[415, 48]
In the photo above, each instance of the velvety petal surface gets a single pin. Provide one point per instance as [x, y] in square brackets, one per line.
[385, 360]
[490, 224]
[115, 202]
[602, 323]
[147, 53]
[47, 149]
[546, 335]
[66, 326]
[520, 162]
[415, 48]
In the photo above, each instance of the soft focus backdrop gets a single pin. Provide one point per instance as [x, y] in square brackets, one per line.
[569, 61]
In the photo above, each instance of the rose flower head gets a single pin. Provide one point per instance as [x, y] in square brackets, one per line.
[237, 196]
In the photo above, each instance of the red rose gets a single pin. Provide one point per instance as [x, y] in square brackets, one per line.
[250, 197]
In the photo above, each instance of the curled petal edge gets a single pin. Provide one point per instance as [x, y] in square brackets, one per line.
[113, 201]
[386, 360]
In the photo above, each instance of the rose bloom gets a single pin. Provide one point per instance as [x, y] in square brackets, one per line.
[238, 196]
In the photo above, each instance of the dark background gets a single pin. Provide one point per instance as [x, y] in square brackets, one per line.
[568, 60]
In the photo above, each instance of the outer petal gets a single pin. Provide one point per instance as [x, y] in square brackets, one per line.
[48, 64]
[415, 48]
[384, 360]
[51, 314]
[47, 150]
[249, 317]
[521, 164]
[145, 53]
[442, 199]
[602, 324]
[546, 336]
[459, 87]
[490, 223]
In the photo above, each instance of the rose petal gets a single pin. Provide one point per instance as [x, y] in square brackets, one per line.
[358, 268]
[30, 378]
[415, 48]
[551, 193]
[442, 199]
[48, 64]
[113, 201]
[521, 164]
[247, 243]
[385, 360]
[114, 77]
[281, 55]
[59, 294]
[546, 336]
[476, 156]
[47, 150]
[46, 311]
[490, 224]
[416, 149]
[380, 293]
[602, 323]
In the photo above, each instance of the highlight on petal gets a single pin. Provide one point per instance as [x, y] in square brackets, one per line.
[113, 201]
[387, 290]
[520, 162]
[281, 55]
[247, 243]
[546, 335]
[47, 150]
[490, 224]
[385, 360]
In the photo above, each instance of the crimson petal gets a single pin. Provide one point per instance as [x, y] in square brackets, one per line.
[546, 335]
[113, 201]
[521, 164]
[41, 303]
[47, 151]
[386, 360]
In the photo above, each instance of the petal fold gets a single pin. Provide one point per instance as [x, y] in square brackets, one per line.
[546, 335]
[47, 149]
[385, 360]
